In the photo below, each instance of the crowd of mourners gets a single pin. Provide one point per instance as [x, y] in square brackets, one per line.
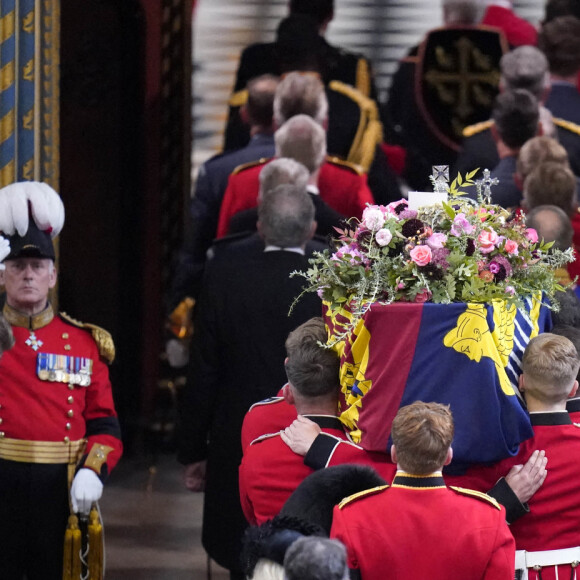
[309, 143]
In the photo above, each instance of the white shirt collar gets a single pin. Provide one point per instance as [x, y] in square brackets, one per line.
[313, 189]
[296, 250]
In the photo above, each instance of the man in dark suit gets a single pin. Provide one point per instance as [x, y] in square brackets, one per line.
[354, 131]
[339, 64]
[211, 184]
[516, 115]
[238, 357]
[560, 41]
[525, 67]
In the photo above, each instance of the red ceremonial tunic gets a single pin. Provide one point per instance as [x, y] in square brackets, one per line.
[517, 30]
[552, 522]
[270, 471]
[419, 528]
[341, 187]
[573, 408]
[268, 416]
[35, 409]
[327, 451]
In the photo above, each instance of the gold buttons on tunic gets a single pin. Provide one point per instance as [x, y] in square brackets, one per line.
[2, 434]
[67, 347]
[67, 439]
[70, 400]
[70, 413]
[68, 426]
[65, 335]
[71, 386]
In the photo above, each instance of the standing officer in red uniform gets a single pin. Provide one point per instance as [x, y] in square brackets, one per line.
[57, 418]
[418, 527]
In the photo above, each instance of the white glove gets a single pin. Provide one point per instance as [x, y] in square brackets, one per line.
[86, 489]
[177, 353]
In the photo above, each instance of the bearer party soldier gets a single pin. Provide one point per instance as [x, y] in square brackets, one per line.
[57, 418]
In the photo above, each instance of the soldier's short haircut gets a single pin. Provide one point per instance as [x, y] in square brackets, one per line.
[516, 115]
[300, 94]
[314, 558]
[260, 104]
[552, 224]
[319, 10]
[6, 336]
[550, 365]
[302, 139]
[282, 171]
[559, 39]
[525, 67]
[286, 216]
[537, 150]
[422, 434]
[551, 183]
[312, 369]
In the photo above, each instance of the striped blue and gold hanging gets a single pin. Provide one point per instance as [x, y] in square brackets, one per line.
[8, 57]
[29, 91]
[26, 87]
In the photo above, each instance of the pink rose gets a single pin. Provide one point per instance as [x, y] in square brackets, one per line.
[532, 235]
[421, 255]
[436, 241]
[423, 296]
[383, 237]
[487, 241]
[511, 247]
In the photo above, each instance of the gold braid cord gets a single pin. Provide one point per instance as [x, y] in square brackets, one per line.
[370, 130]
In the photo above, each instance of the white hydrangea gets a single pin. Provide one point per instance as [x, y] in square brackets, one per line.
[373, 218]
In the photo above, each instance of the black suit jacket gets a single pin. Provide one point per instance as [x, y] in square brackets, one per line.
[238, 354]
[479, 150]
[210, 187]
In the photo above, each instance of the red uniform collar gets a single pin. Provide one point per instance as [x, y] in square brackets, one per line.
[17, 318]
[432, 480]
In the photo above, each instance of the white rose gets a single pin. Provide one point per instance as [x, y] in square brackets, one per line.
[383, 237]
[373, 218]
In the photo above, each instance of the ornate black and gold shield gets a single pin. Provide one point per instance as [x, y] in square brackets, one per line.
[457, 79]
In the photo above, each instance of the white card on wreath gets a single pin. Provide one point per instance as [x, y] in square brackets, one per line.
[419, 199]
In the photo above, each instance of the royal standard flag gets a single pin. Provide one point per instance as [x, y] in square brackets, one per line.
[467, 356]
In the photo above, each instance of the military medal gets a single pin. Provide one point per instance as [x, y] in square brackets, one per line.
[33, 342]
[61, 368]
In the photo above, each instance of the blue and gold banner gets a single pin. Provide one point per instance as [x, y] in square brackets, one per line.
[29, 91]
[27, 87]
[8, 52]
[465, 355]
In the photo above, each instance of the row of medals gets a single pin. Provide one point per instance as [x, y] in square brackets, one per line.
[60, 376]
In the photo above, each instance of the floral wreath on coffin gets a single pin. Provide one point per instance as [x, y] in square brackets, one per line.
[459, 250]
